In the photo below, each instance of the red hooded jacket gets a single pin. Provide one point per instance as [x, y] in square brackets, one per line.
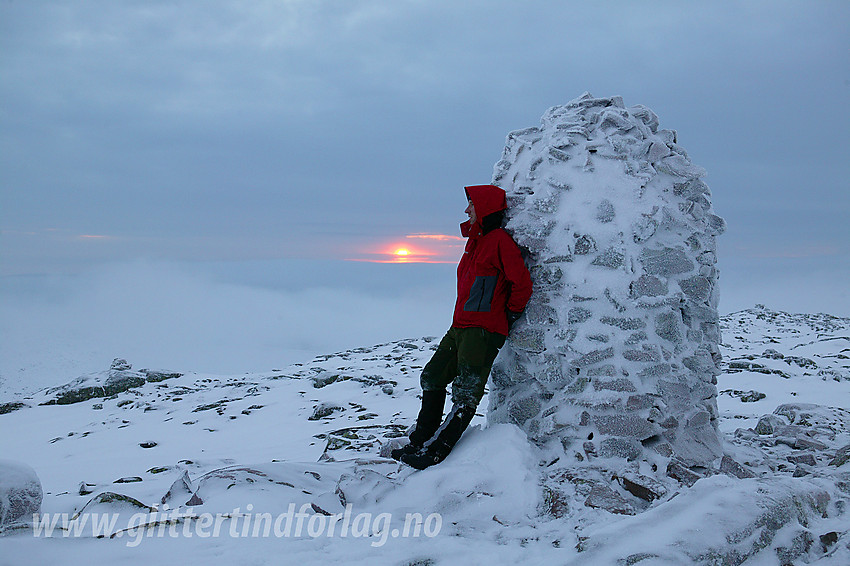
[491, 276]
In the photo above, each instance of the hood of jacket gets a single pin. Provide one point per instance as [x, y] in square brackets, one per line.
[486, 199]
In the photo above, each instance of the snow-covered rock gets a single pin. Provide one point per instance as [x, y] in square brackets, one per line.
[119, 378]
[799, 439]
[20, 493]
[728, 522]
[617, 357]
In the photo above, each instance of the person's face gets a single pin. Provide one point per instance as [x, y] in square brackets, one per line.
[470, 210]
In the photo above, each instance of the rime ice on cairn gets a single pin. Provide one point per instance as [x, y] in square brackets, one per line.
[617, 355]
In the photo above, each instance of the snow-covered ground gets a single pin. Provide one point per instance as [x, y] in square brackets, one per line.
[212, 463]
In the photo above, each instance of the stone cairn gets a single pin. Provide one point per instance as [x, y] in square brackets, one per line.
[617, 356]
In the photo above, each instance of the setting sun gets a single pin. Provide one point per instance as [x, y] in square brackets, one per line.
[415, 248]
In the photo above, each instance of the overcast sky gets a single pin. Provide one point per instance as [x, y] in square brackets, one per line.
[234, 130]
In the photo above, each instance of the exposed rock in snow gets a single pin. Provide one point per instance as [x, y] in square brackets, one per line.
[20, 493]
[618, 355]
[111, 502]
[13, 406]
[119, 378]
[799, 439]
[325, 409]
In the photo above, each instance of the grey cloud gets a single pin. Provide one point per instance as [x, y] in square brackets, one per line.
[256, 122]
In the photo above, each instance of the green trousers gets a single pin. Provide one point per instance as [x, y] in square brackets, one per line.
[463, 358]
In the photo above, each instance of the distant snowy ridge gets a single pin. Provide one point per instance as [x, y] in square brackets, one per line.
[312, 434]
[763, 340]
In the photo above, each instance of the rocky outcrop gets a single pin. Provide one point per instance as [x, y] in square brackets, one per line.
[119, 378]
[617, 356]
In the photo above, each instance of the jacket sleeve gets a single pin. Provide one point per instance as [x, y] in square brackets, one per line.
[516, 273]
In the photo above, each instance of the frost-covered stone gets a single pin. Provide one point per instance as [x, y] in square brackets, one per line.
[842, 456]
[615, 447]
[120, 364]
[732, 468]
[768, 423]
[677, 470]
[20, 493]
[323, 410]
[603, 497]
[641, 486]
[180, 491]
[666, 262]
[619, 234]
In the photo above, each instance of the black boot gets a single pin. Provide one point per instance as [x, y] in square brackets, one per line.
[427, 423]
[449, 434]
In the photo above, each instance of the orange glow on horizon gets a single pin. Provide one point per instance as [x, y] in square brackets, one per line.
[430, 248]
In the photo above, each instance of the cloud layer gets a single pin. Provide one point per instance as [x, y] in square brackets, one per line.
[165, 316]
[234, 130]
